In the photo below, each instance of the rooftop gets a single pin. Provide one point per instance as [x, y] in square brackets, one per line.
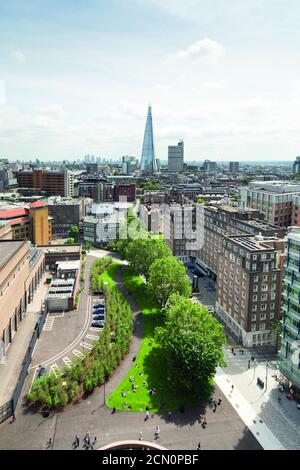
[250, 243]
[8, 249]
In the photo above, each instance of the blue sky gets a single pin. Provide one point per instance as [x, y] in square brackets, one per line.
[76, 77]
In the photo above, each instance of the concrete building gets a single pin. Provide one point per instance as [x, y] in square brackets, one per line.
[274, 199]
[102, 221]
[209, 165]
[94, 189]
[129, 165]
[21, 270]
[57, 253]
[63, 289]
[29, 222]
[249, 287]
[176, 157]
[234, 167]
[289, 354]
[65, 212]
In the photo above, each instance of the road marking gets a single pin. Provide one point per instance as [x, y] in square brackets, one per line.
[81, 334]
[86, 345]
[95, 328]
[68, 362]
[54, 369]
[34, 375]
[49, 324]
[77, 353]
[92, 337]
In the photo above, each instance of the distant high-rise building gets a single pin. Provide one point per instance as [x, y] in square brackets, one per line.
[148, 161]
[234, 167]
[296, 166]
[209, 166]
[175, 157]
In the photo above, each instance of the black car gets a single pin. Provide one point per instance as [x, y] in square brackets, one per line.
[98, 317]
[99, 312]
[98, 306]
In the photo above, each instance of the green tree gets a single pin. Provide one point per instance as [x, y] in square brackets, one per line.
[192, 340]
[200, 200]
[74, 232]
[167, 276]
[142, 253]
[275, 329]
[70, 241]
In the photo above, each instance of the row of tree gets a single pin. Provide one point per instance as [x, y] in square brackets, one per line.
[54, 392]
[190, 336]
[99, 266]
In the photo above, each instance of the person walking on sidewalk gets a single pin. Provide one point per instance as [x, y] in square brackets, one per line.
[157, 432]
[199, 446]
[141, 436]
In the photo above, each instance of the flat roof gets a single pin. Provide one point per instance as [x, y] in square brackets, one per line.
[68, 264]
[8, 249]
[250, 243]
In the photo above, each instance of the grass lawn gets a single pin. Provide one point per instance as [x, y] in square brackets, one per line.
[110, 274]
[151, 362]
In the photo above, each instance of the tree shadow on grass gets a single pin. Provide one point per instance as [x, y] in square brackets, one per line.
[186, 407]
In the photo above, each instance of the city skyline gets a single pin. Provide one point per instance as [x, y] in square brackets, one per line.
[77, 79]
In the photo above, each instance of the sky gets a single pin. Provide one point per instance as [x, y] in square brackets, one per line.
[76, 78]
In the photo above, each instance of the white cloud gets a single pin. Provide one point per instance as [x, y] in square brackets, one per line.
[2, 92]
[255, 106]
[204, 49]
[54, 111]
[18, 56]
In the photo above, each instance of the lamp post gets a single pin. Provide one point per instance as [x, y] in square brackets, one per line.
[267, 364]
[254, 364]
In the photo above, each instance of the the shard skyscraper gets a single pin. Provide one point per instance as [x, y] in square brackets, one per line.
[148, 161]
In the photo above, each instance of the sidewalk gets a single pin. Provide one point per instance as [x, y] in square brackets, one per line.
[282, 418]
[248, 414]
[10, 369]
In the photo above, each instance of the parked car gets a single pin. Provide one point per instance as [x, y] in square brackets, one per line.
[98, 317]
[99, 312]
[98, 306]
[98, 323]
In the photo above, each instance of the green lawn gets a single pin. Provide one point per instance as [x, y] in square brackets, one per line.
[152, 364]
[110, 274]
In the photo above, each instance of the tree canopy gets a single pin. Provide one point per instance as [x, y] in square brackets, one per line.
[74, 232]
[167, 276]
[192, 339]
[141, 253]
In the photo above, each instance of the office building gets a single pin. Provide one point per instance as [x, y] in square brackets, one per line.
[273, 198]
[289, 353]
[65, 213]
[175, 157]
[296, 166]
[94, 189]
[234, 167]
[148, 160]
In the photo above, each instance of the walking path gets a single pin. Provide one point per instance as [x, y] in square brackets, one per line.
[253, 421]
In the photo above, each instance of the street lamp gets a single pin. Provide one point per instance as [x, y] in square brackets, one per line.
[254, 364]
[267, 364]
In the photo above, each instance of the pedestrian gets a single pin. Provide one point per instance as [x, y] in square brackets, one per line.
[169, 415]
[141, 436]
[219, 401]
[199, 446]
[113, 410]
[232, 387]
[204, 423]
[232, 350]
[76, 441]
[157, 432]
[49, 443]
[215, 407]
[147, 415]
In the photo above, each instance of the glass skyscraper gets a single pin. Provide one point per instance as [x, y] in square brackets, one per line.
[289, 354]
[148, 161]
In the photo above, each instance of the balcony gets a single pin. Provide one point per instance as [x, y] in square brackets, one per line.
[293, 329]
[291, 313]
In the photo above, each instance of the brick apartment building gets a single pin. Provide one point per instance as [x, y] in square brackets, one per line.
[124, 190]
[249, 286]
[50, 181]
